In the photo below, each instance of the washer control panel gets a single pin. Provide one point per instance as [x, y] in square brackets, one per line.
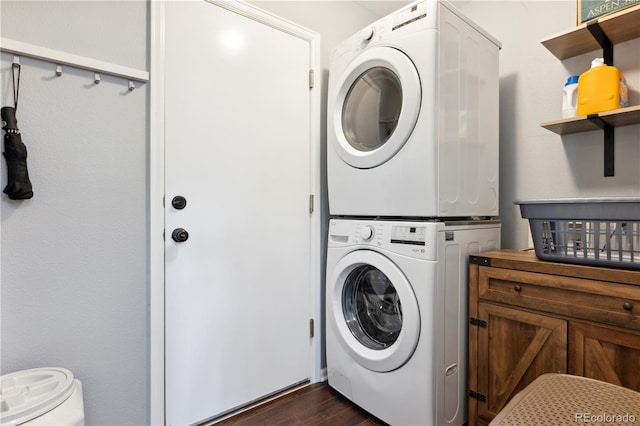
[415, 239]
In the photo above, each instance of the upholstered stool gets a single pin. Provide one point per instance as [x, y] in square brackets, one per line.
[562, 399]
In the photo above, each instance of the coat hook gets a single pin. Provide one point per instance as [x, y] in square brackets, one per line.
[96, 78]
[16, 60]
[58, 70]
[132, 85]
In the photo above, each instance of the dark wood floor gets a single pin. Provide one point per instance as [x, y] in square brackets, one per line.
[316, 404]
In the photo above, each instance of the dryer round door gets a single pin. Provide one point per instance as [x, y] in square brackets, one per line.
[376, 104]
[373, 311]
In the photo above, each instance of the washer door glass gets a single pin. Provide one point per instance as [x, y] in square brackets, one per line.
[371, 307]
[374, 107]
[372, 310]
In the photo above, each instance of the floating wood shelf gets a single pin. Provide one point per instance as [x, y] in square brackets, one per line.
[616, 118]
[606, 121]
[618, 27]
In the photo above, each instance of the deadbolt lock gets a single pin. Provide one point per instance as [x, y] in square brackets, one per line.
[179, 202]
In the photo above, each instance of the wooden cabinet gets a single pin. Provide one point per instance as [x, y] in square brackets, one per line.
[605, 353]
[529, 317]
[536, 344]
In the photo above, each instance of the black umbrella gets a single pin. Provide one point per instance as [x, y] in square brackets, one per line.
[15, 152]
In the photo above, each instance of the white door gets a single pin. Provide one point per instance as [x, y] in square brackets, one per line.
[237, 137]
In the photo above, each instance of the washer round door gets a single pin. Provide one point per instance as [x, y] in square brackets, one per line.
[375, 107]
[373, 310]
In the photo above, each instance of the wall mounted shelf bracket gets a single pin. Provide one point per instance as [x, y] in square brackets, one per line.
[607, 47]
[609, 138]
[609, 131]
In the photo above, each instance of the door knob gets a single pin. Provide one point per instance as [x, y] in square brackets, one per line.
[180, 235]
[179, 202]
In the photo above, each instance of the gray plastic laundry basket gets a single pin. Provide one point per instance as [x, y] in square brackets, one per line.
[591, 231]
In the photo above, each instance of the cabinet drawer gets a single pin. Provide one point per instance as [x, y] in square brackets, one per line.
[609, 303]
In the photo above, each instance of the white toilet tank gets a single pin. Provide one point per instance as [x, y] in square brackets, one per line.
[41, 396]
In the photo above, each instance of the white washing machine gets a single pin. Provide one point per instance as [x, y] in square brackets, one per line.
[396, 313]
[412, 115]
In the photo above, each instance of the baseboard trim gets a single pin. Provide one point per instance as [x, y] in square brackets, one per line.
[259, 402]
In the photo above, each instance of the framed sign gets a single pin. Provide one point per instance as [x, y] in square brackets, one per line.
[589, 10]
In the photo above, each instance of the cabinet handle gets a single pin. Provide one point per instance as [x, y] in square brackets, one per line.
[627, 306]
[517, 288]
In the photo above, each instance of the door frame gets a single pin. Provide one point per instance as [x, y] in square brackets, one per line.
[157, 192]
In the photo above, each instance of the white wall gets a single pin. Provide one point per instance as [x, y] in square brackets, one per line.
[74, 258]
[534, 162]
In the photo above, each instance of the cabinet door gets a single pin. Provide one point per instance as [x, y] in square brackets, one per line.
[608, 354]
[514, 348]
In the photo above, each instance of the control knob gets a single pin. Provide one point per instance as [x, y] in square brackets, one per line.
[366, 233]
[368, 34]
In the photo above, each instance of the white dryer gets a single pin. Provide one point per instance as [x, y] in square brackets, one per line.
[412, 116]
[396, 313]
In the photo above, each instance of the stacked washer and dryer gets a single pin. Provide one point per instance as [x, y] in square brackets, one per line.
[412, 169]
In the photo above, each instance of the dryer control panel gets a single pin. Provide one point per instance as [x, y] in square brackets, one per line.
[408, 20]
